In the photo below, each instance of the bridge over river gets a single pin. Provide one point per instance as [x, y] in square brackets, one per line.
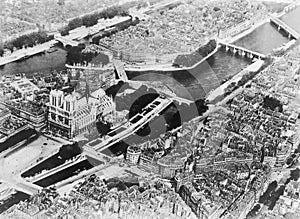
[135, 123]
[282, 25]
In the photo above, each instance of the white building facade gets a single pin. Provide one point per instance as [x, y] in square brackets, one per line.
[71, 114]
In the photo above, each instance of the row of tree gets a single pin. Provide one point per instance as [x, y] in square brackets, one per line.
[27, 40]
[246, 77]
[92, 19]
[193, 58]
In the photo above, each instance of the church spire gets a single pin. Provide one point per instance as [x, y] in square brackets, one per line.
[87, 94]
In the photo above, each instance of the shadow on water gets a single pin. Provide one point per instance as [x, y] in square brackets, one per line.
[196, 83]
[67, 173]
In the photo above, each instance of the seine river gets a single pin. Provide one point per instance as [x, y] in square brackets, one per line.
[190, 84]
[193, 84]
[292, 19]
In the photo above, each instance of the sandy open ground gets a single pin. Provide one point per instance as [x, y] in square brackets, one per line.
[29, 154]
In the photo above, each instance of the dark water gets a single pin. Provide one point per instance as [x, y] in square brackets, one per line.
[193, 84]
[196, 83]
[15, 139]
[12, 200]
[168, 120]
[65, 174]
[292, 19]
[263, 39]
[42, 63]
[48, 164]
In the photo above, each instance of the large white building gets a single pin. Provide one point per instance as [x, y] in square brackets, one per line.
[25, 87]
[71, 114]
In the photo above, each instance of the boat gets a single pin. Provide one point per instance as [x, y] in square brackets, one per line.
[23, 58]
[52, 49]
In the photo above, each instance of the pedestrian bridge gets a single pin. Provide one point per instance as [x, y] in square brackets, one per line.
[241, 51]
[281, 25]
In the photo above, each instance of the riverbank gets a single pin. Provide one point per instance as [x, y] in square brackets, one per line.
[219, 92]
[26, 53]
[167, 67]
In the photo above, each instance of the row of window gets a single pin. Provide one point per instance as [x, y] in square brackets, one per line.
[57, 101]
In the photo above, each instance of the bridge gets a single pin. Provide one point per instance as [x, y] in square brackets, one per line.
[281, 25]
[241, 51]
[88, 67]
[66, 41]
[135, 123]
[181, 100]
[30, 189]
[119, 66]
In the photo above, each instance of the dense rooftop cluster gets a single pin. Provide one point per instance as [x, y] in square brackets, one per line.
[91, 197]
[219, 163]
[24, 16]
[11, 124]
[267, 132]
[28, 106]
[184, 28]
[39, 202]
[284, 73]
[226, 191]
[14, 27]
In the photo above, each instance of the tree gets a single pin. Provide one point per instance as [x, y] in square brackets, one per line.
[90, 20]
[64, 32]
[76, 22]
[9, 46]
[69, 151]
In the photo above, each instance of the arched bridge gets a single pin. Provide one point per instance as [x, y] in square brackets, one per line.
[241, 51]
[281, 25]
[66, 41]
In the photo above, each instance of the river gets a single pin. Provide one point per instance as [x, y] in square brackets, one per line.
[263, 39]
[292, 19]
[41, 63]
[196, 83]
[193, 84]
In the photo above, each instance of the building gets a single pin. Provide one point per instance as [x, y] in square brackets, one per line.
[202, 207]
[4, 114]
[148, 162]
[30, 111]
[72, 114]
[133, 154]
[202, 165]
[169, 166]
[96, 75]
[25, 87]
[191, 197]
[182, 179]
